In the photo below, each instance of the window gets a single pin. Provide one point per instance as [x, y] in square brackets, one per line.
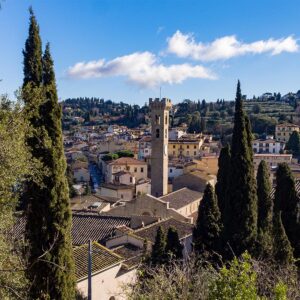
[174, 146]
[142, 170]
[130, 179]
[157, 119]
[166, 119]
[166, 133]
[171, 170]
[157, 133]
[188, 147]
[195, 147]
[122, 196]
[174, 153]
[135, 170]
[195, 152]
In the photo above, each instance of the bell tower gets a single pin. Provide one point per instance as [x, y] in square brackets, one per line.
[159, 143]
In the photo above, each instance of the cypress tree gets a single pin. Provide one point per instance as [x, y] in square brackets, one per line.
[283, 252]
[288, 202]
[265, 210]
[33, 54]
[206, 234]
[293, 143]
[173, 245]
[158, 253]
[48, 226]
[223, 178]
[241, 211]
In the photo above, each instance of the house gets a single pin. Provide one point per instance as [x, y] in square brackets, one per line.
[81, 174]
[136, 167]
[284, 131]
[267, 146]
[144, 152]
[179, 205]
[121, 191]
[109, 273]
[185, 146]
[272, 159]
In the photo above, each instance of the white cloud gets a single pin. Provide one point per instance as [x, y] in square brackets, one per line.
[184, 45]
[141, 68]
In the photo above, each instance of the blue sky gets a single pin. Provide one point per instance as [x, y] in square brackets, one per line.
[128, 49]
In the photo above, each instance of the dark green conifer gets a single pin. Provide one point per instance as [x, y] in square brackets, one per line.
[241, 211]
[206, 234]
[287, 201]
[173, 246]
[48, 230]
[33, 54]
[293, 143]
[223, 178]
[265, 210]
[283, 251]
[158, 253]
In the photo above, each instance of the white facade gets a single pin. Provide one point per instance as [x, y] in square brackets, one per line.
[267, 146]
[175, 171]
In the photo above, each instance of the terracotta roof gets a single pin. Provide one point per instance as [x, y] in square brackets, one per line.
[149, 232]
[181, 198]
[115, 186]
[102, 258]
[126, 161]
[131, 254]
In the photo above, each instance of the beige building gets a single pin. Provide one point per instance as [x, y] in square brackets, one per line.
[185, 147]
[159, 145]
[272, 159]
[284, 131]
[137, 168]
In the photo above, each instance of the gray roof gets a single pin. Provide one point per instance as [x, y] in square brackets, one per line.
[181, 197]
[85, 227]
[149, 232]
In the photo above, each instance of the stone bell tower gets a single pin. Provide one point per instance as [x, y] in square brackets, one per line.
[159, 143]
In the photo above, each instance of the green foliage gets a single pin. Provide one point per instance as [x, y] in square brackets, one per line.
[33, 54]
[256, 109]
[173, 248]
[125, 153]
[206, 234]
[287, 201]
[15, 165]
[293, 143]
[280, 291]
[283, 252]
[236, 282]
[48, 228]
[241, 208]
[265, 210]
[223, 179]
[158, 253]
[110, 156]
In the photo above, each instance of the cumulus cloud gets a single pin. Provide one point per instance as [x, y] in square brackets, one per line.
[184, 45]
[141, 68]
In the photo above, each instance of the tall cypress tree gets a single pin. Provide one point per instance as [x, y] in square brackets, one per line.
[33, 54]
[158, 253]
[283, 252]
[265, 210]
[206, 234]
[288, 202]
[241, 211]
[223, 178]
[293, 143]
[173, 245]
[51, 265]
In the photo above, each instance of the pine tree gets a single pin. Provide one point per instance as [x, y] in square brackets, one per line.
[265, 210]
[287, 201]
[283, 252]
[48, 227]
[293, 143]
[241, 210]
[206, 234]
[223, 179]
[173, 246]
[158, 253]
[33, 54]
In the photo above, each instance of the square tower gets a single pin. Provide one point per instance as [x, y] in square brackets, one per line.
[159, 143]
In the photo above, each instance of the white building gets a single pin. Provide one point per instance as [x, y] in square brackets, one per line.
[267, 146]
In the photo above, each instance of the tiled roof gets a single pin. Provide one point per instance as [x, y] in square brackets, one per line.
[95, 227]
[131, 254]
[181, 198]
[86, 226]
[117, 186]
[126, 161]
[149, 232]
[102, 258]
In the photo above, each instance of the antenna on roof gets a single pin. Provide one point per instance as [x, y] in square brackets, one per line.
[160, 93]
